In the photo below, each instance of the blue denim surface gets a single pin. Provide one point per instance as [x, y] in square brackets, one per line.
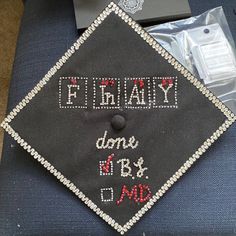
[32, 202]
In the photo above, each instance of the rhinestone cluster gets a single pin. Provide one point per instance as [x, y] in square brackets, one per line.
[112, 7]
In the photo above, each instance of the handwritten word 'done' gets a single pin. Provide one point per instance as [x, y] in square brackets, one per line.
[116, 143]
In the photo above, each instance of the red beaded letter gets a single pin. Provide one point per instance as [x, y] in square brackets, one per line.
[143, 189]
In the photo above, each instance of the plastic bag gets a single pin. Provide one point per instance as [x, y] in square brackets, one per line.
[205, 46]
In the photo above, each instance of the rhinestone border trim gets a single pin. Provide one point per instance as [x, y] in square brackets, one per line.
[112, 7]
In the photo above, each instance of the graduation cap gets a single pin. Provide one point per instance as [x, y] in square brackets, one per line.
[118, 120]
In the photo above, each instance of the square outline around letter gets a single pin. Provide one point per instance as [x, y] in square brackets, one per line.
[175, 92]
[85, 93]
[148, 89]
[95, 92]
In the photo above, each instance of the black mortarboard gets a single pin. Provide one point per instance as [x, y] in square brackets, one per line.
[118, 120]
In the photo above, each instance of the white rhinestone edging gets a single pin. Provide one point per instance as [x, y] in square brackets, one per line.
[112, 7]
[121, 229]
[59, 64]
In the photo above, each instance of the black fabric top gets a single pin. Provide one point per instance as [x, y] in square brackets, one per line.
[117, 120]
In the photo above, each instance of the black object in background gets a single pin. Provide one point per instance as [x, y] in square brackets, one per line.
[145, 12]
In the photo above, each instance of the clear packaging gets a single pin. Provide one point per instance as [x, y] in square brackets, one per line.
[205, 46]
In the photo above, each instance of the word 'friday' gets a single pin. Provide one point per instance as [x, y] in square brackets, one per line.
[116, 93]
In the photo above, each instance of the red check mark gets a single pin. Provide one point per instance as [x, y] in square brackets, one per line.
[106, 166]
